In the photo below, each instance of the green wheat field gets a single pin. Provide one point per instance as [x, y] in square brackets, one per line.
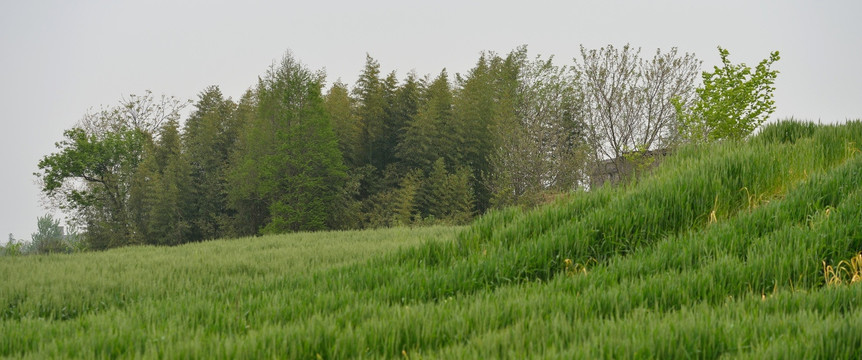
[739, 250]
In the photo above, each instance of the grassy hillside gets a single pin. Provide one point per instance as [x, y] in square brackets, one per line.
[721, 252]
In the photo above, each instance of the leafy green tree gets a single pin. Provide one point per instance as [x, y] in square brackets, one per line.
[209, 137]
[246, 208]
[406, 206]
[48, 237]
[405, 104]
[288, 160]
[372, 110]
[144, 188]
[12, 248]
[90, 177]
[395, 205]
[341, 110]
[539, 131]
[173, 205]
[476, 108]
[733, 102]
[431, 134]
[447, 197]
[347, 212]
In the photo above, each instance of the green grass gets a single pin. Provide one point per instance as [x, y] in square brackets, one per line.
[719, 253]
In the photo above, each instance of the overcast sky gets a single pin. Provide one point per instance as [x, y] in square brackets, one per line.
[60, 58]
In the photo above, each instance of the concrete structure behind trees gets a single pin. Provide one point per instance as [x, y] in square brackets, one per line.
[620, 169]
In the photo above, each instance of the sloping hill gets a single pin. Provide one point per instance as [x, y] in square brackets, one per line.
[735, 249]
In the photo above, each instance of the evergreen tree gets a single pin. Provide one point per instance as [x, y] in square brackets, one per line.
[405, 105]
[142, 194]
[340, 109]
[372, 111]
[247, 210]
[172, 204]
[475, 109]
[447, 197]
[289, 159]
[208, 139]
[431, 134]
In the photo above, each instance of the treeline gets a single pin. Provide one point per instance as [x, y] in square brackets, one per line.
[295, 155]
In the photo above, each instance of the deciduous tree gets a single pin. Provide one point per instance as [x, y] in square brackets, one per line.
[734, 100]
[288, 161]
[629, 99]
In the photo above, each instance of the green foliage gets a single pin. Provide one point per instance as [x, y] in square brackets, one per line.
[208, 139]
[733, 102]
[172, 209]
[446, 196]
[92, 174]
[12, 248]
[516, 130]
[661, 280]
[287, 170]
[105, 165]
[475, 107]
[371, 94]
[340, 108]
[48, 237]
[396, 205]
[541, 139]
[430, 134]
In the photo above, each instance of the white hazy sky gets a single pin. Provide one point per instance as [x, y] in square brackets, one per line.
[60, 58]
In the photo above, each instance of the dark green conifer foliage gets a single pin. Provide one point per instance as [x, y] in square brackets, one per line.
[447, 197]
[405, 104]
[372, 109]
[431, 133]
[476, 109]
[172, 203]
[340, 108]
[209, 138]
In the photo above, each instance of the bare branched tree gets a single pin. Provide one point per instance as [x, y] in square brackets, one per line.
[139, 112]
[542, 146]
[628, 100]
